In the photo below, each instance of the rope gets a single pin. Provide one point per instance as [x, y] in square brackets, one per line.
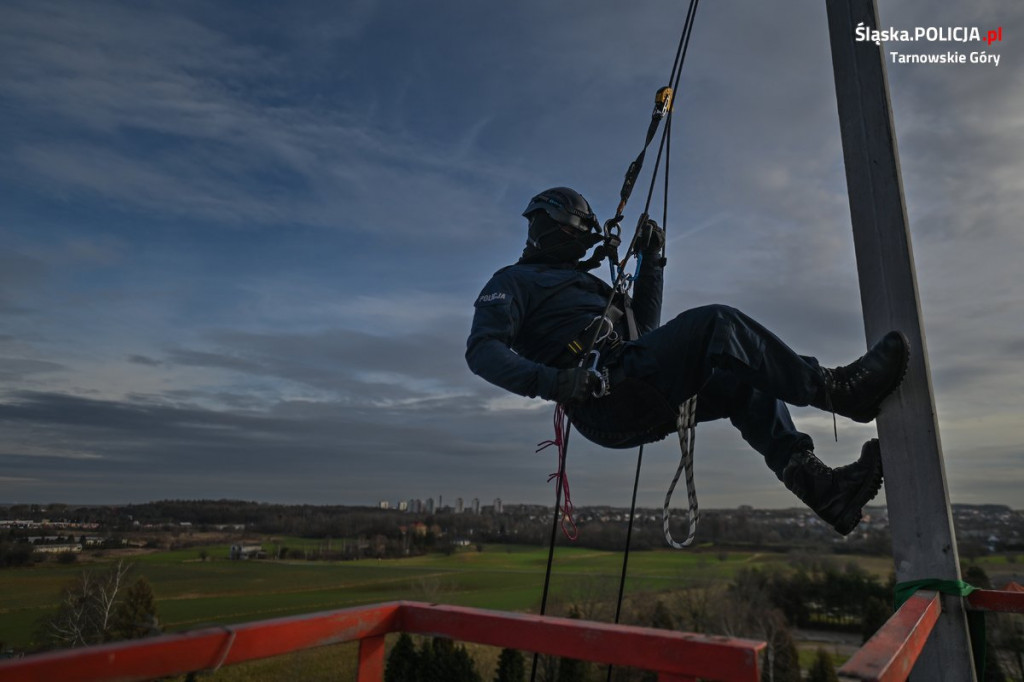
[629, 538]
[686, 423]
[560, 441]
[621, 284]
[563, 500]
[222, 655]
[226, 649]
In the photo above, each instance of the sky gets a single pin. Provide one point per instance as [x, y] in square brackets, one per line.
[241, 240]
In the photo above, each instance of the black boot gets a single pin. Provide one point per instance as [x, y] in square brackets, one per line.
[838, 495]
[857, 390]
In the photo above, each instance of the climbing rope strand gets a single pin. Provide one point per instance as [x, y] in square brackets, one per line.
[664, 199]
[686, 423]
[562, 424]
[229, 641]
[674, 78]
[684, 41]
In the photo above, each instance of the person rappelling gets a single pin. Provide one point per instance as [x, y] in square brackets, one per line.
[546, 327]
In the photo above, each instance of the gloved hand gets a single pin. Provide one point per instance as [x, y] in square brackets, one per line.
[575, 385]
[651, 239]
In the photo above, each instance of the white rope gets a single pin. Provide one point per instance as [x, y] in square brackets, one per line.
[687, 425]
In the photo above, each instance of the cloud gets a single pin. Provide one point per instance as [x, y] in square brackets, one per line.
[19, 369]
[183, 120]
[143, 360]
[247, 243]
[145, 442]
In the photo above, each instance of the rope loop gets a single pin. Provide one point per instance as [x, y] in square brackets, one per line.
[687, 427]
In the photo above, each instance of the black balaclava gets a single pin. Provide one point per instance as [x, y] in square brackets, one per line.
[549, 242]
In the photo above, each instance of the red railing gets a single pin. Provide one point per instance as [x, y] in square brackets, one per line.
[890, 654]
[675, 656]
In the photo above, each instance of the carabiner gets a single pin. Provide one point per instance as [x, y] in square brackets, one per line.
[662, 102]
[601, 374]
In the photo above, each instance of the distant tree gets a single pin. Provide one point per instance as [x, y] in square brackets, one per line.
[784, 659]
[570, 669]
[442, 661]
[15, 554]
[462, 667]
[403, 661]
[430, 670]
[135, 614]
[976, 575]
[822, 669]
[662, 618]
[876, 612]
[511, 666]
[696, 609]
[86, 610]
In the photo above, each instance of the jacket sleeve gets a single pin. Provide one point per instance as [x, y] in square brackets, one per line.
[647, 294]
[499, 312]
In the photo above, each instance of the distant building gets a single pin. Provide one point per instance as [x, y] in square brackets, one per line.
[384, 504]
[58, 549]
[430, 505]
[403, 506]
[245, 552]
[458, 505]
[476, 505]
[497, 505]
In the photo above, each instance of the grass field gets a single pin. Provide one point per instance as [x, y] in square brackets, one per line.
[192, 593]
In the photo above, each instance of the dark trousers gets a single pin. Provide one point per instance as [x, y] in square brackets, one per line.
[737, 368]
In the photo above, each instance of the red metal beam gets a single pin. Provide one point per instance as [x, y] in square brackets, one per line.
[996, 600]
[890, 655]
[146, 659]
[371, 659]
[681, 654]
[676, 656]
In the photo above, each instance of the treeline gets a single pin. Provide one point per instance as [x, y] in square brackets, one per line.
[14, 553]
[600, 528]
[820, 595]
[401, 533]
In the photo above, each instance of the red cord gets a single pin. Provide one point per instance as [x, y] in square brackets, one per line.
[561, 440]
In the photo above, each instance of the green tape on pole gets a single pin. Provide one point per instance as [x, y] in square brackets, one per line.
[957, 588]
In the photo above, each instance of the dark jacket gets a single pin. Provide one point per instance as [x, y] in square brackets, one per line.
[528, 313]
